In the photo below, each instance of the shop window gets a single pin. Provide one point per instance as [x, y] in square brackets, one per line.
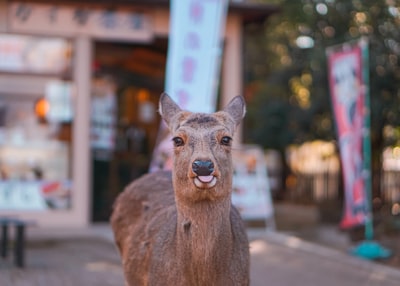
[36, 117]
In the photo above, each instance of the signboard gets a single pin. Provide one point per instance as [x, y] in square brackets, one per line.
[65, 20]
[34, 195]
[194, 52]
[59, 97]
[34, 175]
[251, 189]
[17, 195]
[34, 54]
[348, 94]
[103, 115]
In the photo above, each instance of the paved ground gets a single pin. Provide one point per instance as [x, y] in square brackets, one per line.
[88, 257]
[283, 260]
[66, 262]
[305, 221]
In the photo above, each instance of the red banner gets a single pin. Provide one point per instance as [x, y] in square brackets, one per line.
[347, 87]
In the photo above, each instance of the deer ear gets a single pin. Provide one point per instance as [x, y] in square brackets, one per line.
[168, 108]
[236, 108]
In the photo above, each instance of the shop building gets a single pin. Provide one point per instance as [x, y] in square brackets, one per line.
[79, 86]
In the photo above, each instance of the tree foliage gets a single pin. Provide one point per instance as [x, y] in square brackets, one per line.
[286, 74]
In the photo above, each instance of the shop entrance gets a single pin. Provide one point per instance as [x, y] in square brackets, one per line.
[127, 81]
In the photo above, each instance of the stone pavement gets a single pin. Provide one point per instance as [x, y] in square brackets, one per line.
[66, 262]
[282, 260]
[307, 223]
[87, 257]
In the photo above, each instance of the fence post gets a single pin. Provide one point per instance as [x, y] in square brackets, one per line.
[20, 244]
[4, 239]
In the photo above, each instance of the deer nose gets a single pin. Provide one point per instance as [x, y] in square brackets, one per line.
[203, 168]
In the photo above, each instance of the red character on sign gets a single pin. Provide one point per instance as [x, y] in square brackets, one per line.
[189, 66]
[196, 11]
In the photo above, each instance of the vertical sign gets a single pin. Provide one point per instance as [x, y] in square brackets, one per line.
[348, 93]
[194, 51]
[251, 189]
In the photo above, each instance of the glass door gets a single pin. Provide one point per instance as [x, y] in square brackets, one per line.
[127, 82]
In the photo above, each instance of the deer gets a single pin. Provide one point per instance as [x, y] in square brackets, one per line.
[179, 227]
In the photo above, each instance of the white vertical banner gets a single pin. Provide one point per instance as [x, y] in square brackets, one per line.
[193, 63]
[194, 52]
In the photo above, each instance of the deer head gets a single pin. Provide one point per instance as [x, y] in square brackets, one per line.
[202, 149]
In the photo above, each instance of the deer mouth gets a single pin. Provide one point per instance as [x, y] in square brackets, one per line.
[205, 182]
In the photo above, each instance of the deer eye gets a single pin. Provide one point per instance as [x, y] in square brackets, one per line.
[178, 141]
[226, 140]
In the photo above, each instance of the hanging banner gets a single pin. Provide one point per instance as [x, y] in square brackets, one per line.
[194, 52]
[348, 94]
[195, 47]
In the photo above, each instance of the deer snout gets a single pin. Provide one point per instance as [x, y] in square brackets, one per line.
[204, 171]
[203, 168]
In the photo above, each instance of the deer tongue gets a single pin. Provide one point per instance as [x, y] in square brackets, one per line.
[205, 179]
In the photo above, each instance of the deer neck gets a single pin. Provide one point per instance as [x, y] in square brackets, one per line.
[204, 239]
[204, 216]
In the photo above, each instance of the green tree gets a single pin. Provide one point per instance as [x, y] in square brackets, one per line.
[286, 74]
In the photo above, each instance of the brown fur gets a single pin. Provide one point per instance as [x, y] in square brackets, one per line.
[170, 231]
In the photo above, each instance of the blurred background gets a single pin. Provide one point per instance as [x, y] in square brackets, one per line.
[80, 82]
[286, 86]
